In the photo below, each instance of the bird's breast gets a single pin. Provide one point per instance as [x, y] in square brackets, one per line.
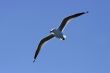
[58, 34]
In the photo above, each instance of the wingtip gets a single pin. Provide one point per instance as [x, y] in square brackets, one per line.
[87, 12]
[34, 60]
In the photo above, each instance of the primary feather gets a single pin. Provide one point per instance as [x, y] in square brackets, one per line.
[41, 44]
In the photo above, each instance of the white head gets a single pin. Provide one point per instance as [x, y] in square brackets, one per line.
[52, 30]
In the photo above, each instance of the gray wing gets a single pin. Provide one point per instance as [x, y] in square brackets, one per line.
[41, 43]
[65, 20]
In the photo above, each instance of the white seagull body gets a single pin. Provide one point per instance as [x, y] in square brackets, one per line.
[57, 32]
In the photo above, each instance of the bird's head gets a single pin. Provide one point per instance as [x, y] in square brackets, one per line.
[52, 30]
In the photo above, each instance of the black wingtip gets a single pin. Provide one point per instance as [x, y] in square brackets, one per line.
[87, 12]
[34, 60]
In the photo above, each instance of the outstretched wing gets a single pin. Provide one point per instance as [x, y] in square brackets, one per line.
[41, 43]
[65, 20]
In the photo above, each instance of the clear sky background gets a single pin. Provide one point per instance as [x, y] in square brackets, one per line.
[23, 23]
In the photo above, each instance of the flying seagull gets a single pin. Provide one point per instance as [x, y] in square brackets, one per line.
[57, 32]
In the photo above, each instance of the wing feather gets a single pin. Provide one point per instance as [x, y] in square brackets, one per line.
[65, 20]
[41, 44]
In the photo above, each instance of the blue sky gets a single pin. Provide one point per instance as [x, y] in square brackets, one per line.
[23, 23]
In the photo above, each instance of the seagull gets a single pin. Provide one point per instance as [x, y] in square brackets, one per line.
[58, 33]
